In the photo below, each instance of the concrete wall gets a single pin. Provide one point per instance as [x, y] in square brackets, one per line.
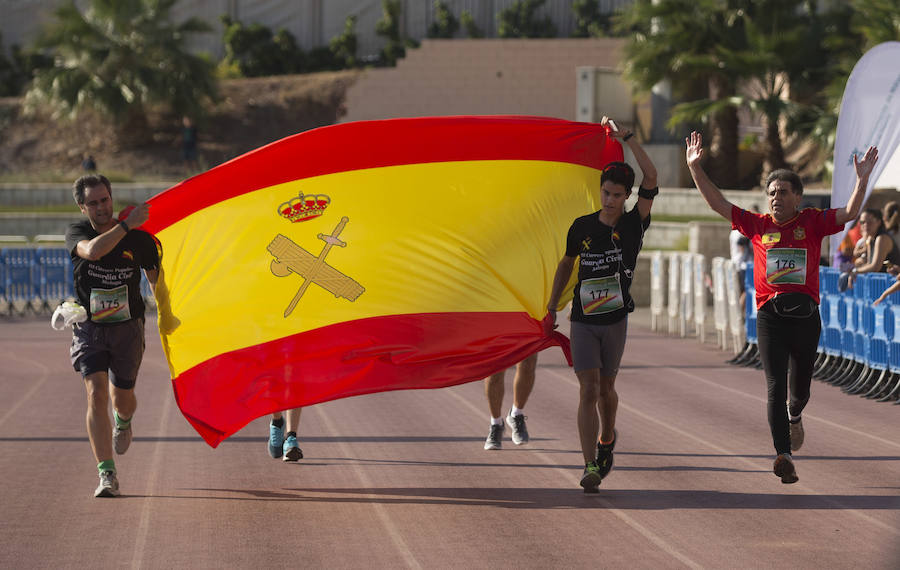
[481, 77]
[53, 194]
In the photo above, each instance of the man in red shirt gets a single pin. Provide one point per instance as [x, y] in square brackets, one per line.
[786, 249]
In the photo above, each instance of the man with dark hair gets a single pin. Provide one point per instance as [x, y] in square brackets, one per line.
[786, 247]
[606, 243]
[107, 348]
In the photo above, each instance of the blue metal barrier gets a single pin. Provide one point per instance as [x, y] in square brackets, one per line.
[40, 278]
[54, 275]
[20, 288]
[750, 304]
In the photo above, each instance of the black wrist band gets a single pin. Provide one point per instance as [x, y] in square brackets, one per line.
[648, 193]
[626, 137]
[124, 226]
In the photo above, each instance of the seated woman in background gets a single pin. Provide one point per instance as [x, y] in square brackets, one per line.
[876, 251]
[892, 221]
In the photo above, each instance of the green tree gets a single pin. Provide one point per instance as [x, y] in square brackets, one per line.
[343, 45]
[120, 56]
[9, 75]
[519, 20]
[388, 27]
[468, 23]
[589, 21]
[257, 52]
[852, 30]
[780, 67]
[692, 44]
[445, 25]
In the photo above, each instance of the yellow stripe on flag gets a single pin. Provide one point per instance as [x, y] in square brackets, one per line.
[425, 249]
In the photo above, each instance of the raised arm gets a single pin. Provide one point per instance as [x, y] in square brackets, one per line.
[895, 286]
[104, 243]
[646, 165]
[710, 191]
[863, 170]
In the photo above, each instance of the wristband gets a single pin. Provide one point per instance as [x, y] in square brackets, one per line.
[626, 137]
[124, 226]
[648, 193]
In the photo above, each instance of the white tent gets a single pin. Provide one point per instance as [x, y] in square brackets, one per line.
[890, 176]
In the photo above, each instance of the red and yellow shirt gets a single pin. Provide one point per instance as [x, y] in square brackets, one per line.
[786, 256]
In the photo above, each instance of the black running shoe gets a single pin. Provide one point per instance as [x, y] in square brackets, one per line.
[605, 455]
[591, 478]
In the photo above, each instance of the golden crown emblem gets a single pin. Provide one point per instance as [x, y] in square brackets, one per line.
[304, 207]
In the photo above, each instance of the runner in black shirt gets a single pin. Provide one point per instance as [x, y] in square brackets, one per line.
[606, 243]
[107, 257]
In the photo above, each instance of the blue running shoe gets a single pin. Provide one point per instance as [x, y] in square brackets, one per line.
[292, 451]
[276, 440]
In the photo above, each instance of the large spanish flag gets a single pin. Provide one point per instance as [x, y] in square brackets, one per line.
[365, 257]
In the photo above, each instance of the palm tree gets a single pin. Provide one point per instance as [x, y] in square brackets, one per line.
[780, 67]
[693, 45]
[120, 56]
[855, 29]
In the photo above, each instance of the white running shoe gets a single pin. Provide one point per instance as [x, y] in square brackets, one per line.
[519, 431]
[121, 439]
[109, 485]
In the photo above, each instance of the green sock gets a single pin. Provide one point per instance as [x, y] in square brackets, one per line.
[120, 423]
[108, 465]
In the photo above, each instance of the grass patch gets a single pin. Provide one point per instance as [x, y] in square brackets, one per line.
[686, 218]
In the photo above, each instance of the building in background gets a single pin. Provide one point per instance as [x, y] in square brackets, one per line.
[312, 22]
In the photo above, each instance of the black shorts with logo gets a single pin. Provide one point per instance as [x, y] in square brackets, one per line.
[117, 348]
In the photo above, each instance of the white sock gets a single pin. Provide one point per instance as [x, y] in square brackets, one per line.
[496, 421]
[515, 411]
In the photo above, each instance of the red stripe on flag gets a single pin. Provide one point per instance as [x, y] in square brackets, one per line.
[373, 144]
[225, 393]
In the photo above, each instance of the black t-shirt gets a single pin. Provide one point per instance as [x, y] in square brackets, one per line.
[607, 259]
[110, 288]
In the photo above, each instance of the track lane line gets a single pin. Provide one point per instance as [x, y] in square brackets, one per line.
[805, 415]
[143, 527]
[45, 374]
[621, 515]
[744, 460]
[366, 483]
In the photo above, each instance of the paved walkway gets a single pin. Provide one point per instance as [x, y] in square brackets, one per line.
[401, 480]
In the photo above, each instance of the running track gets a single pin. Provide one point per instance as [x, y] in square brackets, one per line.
[401, 480]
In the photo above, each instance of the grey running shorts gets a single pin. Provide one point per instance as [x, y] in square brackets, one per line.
[116, 348]
[598, 346]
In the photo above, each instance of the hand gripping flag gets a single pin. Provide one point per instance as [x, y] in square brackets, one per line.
[366, 257]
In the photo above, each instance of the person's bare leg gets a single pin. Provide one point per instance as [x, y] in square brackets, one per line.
[124, 402]
[292, 450]
[524, 382]
[588, 412]
[99, 427]
[293, 420]
[494, 389]
[607, 405]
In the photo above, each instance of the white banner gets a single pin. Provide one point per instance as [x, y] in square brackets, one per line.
[869, 116]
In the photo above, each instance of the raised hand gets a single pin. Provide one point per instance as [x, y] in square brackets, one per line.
[614, 129]
[694, 153]
[864, 167]
[138, 216]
